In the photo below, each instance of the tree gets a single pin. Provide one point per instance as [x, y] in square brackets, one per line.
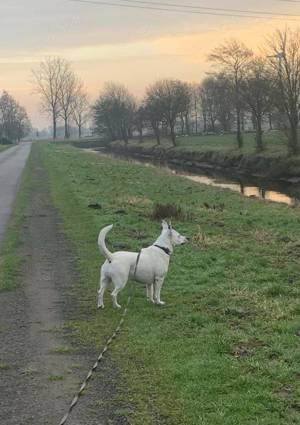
[284, 58]
[114, 112]
[80, 109]
[14, 121]
[69, 87]
[208, 103]
[224, 101]
[233, 57]
[48, 80]
[171, 98]
[195, 105]
[257, 92]
[153, 113]
[23, 124]
[140, 118]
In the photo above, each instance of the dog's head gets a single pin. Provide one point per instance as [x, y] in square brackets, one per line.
[175, 237]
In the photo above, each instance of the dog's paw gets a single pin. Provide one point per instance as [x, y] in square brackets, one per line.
[118, 306]
[160, 303]
[100, 306]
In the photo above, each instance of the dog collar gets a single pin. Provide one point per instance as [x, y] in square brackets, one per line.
[166, 250]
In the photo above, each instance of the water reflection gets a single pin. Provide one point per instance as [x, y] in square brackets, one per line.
[262, 191]
[247, 190]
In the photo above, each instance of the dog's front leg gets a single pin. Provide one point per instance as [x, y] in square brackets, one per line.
[158, 282]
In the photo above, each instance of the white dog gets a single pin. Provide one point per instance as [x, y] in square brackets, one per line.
[149, 267]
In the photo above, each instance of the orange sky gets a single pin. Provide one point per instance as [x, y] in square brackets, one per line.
[133, 47]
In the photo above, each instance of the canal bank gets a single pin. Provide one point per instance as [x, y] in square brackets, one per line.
[279, 168]
[281, 190]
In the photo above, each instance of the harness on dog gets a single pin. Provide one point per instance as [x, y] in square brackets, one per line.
[166, 250]
[136, 263]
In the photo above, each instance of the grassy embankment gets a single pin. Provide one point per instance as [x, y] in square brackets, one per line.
[10, 258]
[215, 151]
[225, 349]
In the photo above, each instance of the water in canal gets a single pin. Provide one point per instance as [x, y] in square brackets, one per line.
[282, 192]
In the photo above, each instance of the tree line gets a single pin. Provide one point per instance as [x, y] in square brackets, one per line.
[243, 88]
[14, 121]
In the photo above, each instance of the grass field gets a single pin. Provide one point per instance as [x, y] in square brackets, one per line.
[275, 144]
[225, 349]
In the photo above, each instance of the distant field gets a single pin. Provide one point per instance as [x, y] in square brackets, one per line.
[275, 143]
[225, 348]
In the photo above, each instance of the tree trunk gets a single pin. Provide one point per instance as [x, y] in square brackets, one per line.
[239, 136]
[259, 133]
[125, 136]
[187, 125]
[66, 128]
[141, 135]
[173, 135]
[54, 126]
[79, 131]
[182, 125]
[157, 135]
[270, 121]
[293, 136]
[204, 123]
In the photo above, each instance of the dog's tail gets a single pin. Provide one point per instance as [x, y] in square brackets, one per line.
[101, 242]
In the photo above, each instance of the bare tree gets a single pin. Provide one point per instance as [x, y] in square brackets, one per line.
[14, 121]
[208, 103]
[140, 118]
[154, 113]
[195, 105]
[81, 109]
[233, 57]
[171, 97]
[284, 58]
[48, 80]
[114, 112]
[69, 87]
[257, 92]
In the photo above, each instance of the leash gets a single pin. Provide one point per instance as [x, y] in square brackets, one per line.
[100, 357]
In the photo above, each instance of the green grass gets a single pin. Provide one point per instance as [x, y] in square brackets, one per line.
[224, 350]
[55, 378]
[63, 350]
[10, 258]
[275, 144]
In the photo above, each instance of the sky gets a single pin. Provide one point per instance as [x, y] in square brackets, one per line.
[126, 45]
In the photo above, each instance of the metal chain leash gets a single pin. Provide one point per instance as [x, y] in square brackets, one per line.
[96, 364]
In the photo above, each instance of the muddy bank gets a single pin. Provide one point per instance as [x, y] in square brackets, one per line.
[286, 169]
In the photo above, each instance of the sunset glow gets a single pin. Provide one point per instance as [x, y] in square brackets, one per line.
[131, 46]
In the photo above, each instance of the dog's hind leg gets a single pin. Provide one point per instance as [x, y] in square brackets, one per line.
[104, 282]
[119, 284]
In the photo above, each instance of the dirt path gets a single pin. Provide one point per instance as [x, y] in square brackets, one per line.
[38, 372]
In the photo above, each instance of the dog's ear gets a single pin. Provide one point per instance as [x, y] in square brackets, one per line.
[164, 224]
[170, 225]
